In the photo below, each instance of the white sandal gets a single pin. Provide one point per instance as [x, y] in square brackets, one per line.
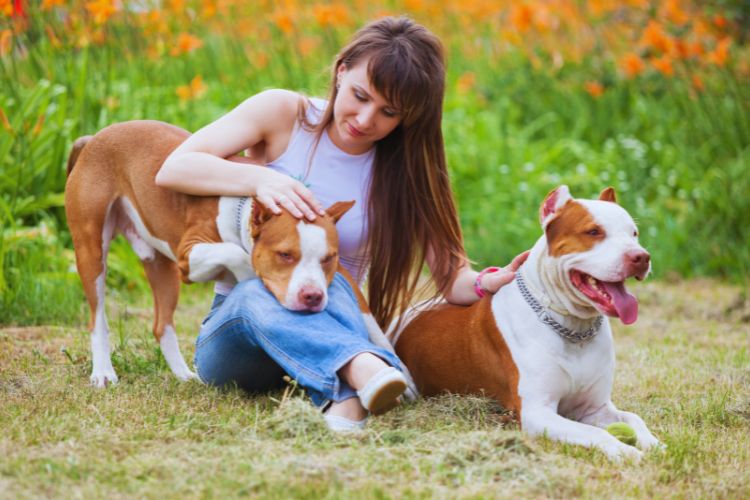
[381, 393]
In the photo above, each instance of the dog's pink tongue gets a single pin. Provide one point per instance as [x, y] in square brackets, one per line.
[625, 304]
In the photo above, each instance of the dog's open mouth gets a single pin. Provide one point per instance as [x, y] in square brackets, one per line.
[611, 298]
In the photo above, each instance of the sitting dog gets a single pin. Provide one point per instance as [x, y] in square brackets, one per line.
[111, 190]
[542, 346]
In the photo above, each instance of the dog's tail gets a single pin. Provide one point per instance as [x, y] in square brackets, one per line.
[78, 146]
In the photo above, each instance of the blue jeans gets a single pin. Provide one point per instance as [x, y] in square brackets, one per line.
[251, 340]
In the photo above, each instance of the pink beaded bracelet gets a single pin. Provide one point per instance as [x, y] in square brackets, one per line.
[478, 288]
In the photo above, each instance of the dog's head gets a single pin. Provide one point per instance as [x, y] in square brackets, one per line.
[594, 247]
[296, 259]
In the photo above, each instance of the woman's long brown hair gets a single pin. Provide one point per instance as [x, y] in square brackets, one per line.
[411, 208]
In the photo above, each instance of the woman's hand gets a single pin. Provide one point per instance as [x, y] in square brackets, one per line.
[492, 282]
[276, 190]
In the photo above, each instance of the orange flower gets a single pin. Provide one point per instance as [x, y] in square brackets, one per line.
[53, 40]
[632, 65]
[186, 43]
[38, 126]
[331, 15]
[466, 82]
[6, 42]
[663, 65]
[720, 21]
[177, 5]
[4, 121]
[522, 17]
[696, 49]
[599, 7]
[194, 90]
[720, 54]
[307, 45]
[209, 8]
[594, 88]
[655, 37]
[51, 4]
[673, 11]
[284, 21]
[698, 83]
[6, 7]
[681, 49]
[101, 10]
[414, 5]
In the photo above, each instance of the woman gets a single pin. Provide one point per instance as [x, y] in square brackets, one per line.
[376, 140]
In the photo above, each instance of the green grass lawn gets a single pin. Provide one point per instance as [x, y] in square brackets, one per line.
[684, 367]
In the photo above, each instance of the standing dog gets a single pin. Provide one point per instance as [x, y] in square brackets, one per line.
[541, 345]
[111, 190]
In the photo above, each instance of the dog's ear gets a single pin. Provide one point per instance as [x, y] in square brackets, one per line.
[260, 216]
[608, 194]
[338, 209]
[554, 201]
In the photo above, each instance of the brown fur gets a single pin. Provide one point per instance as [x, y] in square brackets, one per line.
[107, 167]
[608, 194]
[568, 232]
[122, 161]
[460, 337]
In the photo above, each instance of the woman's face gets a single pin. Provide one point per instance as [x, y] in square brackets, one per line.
[361, 115]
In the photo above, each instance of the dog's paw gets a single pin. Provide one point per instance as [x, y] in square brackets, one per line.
[186, 375]
[650, 443]
[621, 452]
[102, 378]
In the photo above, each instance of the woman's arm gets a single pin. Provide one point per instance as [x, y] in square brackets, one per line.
[198, 166]
[462, 291]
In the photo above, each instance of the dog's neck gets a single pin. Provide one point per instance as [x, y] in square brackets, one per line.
[241, 228]
[549, 284]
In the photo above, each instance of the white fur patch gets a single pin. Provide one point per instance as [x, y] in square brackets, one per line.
[102, 371]
[226, 221]
[207, 260]
[160, 245]
[308, 271]
[171, 351]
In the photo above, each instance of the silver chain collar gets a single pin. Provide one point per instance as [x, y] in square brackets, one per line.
[238, 219]
[563, 331]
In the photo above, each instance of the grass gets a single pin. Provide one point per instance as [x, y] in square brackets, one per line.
[684, 367]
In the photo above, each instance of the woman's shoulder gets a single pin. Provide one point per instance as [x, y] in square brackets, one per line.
[277, 107]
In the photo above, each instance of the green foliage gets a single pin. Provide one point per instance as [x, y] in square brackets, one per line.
[678, 158]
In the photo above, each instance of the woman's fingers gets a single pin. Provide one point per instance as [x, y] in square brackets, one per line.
[494, 281]
[517, 261]
[269, 203]
[286, 202]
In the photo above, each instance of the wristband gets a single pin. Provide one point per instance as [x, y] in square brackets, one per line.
[478, 288]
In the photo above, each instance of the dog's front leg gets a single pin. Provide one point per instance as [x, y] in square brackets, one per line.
[609, 414]
[206, 261]
[541, 420]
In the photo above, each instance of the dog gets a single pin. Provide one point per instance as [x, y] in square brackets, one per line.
[542, 345]
[111, 190]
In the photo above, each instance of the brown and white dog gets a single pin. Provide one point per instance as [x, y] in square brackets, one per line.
[111, 190]
[541, 345]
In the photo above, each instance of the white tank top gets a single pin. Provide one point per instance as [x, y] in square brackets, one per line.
[332, 175]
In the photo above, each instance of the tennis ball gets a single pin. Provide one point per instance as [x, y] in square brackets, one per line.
[623, 432]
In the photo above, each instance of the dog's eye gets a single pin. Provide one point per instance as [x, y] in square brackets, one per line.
[594, 232]
[328, 258]
[285, 256]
